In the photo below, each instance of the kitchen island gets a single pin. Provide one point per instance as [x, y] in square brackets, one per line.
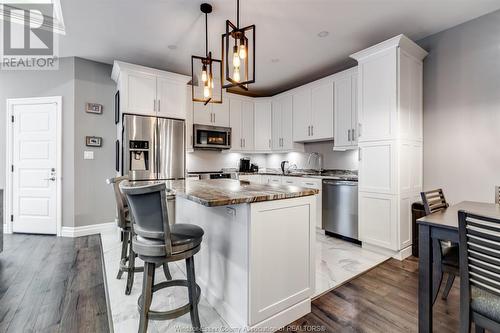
[256, 266]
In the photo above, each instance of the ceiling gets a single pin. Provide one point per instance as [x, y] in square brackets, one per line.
[289, 50]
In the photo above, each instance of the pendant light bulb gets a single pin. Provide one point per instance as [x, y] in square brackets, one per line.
[236, 74]
[236, 57]
[204, 73]
[206, 91]
[243, 49]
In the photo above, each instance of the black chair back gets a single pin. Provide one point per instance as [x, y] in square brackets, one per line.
[148, 211]
[434, 201]
[479, 252]
[121, 203]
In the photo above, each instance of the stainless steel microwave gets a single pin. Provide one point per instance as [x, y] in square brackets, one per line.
[211, 137]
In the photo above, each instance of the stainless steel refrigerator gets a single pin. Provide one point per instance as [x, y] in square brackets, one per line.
[153, 148]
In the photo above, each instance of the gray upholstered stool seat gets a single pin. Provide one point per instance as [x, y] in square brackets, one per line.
[485, 303]
[184, 237]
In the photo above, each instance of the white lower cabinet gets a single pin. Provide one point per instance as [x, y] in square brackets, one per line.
[251, 178]
[302, 182]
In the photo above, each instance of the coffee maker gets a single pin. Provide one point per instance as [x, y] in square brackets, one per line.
[245, 165]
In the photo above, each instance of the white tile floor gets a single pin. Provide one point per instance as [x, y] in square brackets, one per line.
[337, 261]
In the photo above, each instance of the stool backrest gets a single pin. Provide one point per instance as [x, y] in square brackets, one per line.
[148, 211]
[497, 194]
[434, 201]
[479, 252]
[121, 202]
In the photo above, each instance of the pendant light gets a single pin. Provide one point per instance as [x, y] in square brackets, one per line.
[238, 54]
[206, 72]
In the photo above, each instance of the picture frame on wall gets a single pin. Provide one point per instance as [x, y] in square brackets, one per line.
[94, 108]
[117, 107]
[93, 141]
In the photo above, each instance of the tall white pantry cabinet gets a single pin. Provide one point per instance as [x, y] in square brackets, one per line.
[390, 142]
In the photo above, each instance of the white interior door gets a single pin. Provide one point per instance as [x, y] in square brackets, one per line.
[35, 169]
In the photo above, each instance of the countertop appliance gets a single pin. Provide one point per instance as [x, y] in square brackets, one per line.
[211, 137]
[244, 164]
[153, 148]
[340, 209]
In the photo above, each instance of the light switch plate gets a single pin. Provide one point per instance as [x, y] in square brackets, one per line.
[88, 155]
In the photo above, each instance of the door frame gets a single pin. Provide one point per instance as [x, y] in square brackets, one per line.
[9, 158]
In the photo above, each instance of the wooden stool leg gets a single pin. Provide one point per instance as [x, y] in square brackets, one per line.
[193, 300]
[166, 271]
[131, 268]
[147, 293]
[124, 252]
[449, 284]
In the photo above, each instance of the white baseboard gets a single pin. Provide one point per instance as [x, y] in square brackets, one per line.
[399, 255]
[87, 229]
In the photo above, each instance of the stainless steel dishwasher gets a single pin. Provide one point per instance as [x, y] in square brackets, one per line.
[340, 209]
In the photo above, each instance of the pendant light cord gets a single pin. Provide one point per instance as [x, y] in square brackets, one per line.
[206, 35]
[238, 14]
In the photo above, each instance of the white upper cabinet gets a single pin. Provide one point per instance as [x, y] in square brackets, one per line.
[302, 114]
[235, 124]
[140, 96]
[322, 111]
[202, 114]
[241, 119]
[313, 112]
[377, 96]
[263, 128]
[150, 91]
[221, 113]
[213, 114]
[282, 124]
[171, 98]
[345, 122]
[247, 125]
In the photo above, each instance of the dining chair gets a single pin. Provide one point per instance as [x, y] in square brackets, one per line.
[445, 254]
[479, 272]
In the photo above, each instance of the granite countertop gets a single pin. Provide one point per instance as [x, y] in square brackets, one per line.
[223, 192]
[330, 174]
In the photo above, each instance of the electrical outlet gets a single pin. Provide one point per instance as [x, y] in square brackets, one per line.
[88, 155]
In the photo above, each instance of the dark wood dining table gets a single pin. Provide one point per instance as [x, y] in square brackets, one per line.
[441, 225]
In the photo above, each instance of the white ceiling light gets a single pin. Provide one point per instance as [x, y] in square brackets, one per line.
[323, 34]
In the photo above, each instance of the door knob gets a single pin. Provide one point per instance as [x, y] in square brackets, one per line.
[51, 179]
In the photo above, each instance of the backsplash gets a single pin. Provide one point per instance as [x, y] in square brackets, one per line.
[213, 160]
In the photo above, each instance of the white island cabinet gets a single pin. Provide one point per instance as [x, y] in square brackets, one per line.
[256, 265]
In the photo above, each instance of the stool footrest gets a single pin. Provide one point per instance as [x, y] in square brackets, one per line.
[174, 313]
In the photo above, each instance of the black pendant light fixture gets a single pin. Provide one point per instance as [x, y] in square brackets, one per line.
[238, 54]
[206, 72]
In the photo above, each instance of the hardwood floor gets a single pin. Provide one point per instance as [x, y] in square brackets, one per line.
[52, 284]
[383, 299]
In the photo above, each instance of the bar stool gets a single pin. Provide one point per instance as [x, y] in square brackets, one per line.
[123, 222]
[156, 242]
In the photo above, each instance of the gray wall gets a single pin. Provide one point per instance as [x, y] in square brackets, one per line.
[94, 199]
[462, 110]
[86, 198]
[23, 84]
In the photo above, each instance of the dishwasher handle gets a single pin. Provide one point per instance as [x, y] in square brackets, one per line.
[340, 182]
